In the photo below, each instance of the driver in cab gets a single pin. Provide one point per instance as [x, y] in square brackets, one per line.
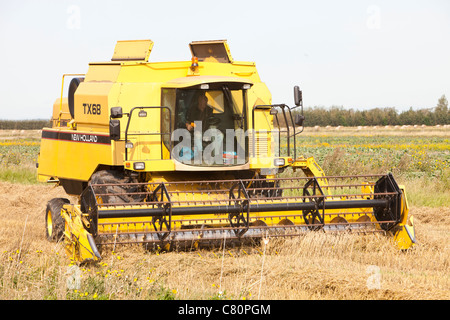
[200, 112]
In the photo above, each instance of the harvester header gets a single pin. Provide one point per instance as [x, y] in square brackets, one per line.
[187, 153]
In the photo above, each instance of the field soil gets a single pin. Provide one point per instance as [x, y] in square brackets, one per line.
[315, 266]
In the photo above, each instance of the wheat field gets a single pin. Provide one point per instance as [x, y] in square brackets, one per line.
[316, 266]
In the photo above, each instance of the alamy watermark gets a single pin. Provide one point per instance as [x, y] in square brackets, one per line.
[214, 147]
[374, 279]
[73, 21]
[73, 280]
[373, 21]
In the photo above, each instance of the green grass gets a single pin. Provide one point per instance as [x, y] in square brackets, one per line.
[15, 174]
[411, 156]
[428, 191]
[18, 159]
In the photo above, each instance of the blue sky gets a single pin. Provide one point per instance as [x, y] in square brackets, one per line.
[356, 54]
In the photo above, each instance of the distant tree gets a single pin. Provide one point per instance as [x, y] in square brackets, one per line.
[441, 112]
[390, 117]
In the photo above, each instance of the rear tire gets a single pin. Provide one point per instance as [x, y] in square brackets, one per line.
[54, 222]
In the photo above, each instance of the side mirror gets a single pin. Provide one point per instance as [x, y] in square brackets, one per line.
[298, 98]
[116, 112]
[114, 129]
[299, 118]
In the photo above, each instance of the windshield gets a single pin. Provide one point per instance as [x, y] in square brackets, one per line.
[209, 125]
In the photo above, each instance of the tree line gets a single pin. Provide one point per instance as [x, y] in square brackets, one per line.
[24, 124]
[321, 116]
[339, 116]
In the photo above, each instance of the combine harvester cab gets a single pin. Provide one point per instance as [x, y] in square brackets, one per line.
[192, 153]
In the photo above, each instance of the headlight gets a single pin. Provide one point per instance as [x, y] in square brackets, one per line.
[129, 145]
[139, 165]
[278, 162]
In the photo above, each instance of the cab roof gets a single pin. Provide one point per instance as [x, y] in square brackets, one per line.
[186, 82]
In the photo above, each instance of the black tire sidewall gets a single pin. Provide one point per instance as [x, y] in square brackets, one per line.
[54, 206]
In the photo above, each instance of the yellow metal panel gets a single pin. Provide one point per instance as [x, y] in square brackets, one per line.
[47, 159]
[159, 72]
[73, 154]
[132, 50]
[136, 95]
[79, 243]
[83, 160]
[102, 72]
[261, 162]
[61, 111]
[259, 94]
[163, 72]
[155, 165]
[117, 152]
[91, 103]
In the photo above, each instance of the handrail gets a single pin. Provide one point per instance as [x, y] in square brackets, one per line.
[289, 136]
[62, 91]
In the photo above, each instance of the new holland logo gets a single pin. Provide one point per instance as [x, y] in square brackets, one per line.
[84, 137]
[76, 137]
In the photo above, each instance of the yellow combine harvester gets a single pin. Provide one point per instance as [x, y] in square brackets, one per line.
[192, 153]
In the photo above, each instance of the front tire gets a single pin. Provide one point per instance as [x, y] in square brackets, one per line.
[120, 193]
[54, 222]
